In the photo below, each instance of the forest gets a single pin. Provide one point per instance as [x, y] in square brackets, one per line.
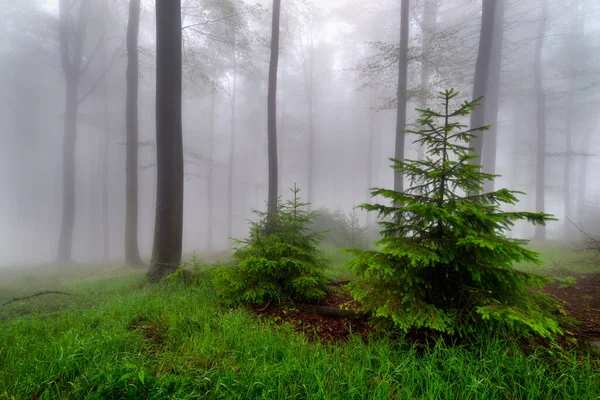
[299, 199]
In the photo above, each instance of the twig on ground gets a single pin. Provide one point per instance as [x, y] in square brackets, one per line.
[15, 299]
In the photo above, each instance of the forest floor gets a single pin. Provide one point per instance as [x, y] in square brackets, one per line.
[115, 336]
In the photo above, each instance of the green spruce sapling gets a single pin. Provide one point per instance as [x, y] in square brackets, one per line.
[281, 263]
[443, 262]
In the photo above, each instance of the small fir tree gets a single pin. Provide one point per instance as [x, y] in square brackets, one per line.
[280, 263]
[443, 262]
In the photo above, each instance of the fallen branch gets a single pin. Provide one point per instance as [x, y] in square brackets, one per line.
[332, 311]
[15, 299]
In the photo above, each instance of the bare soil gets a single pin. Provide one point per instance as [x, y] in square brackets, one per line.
[580, 300]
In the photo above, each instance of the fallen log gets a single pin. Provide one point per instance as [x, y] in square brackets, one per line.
[15, 299]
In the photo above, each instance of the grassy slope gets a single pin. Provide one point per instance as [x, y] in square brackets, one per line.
[118, 338]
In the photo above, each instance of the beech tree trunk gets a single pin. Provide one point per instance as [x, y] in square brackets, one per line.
[492, 96]
[132, 252]
[72, 38]
[168, 229]
[272, 113]
[428, 24]
[209, 180]
[482, 71]
[402, 93]
[540, 117]
[230, 182]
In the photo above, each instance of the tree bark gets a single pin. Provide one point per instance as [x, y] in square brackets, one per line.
[493, 96]
[210, 173]
[272, 114]
[402, 93]
[230, 183]
[540, 116]
[132, 252]
[482, 71]
[71, 48]
[428, 24]
[168, 229]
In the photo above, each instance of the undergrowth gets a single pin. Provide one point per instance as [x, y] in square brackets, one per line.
[130, 340]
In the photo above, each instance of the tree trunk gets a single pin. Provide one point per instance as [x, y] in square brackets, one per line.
[309, 79]
[231, 152]
[209, 180]
[428, 24]
[540, 163]
[482, 71]
[71, 58]
[168, 229]
[105, 167]
[132, 252]
[401, 94]
[493, 96]
[272, 114]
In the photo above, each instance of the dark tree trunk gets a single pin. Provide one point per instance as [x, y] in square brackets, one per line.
[132, 252]
[209, 180]
[402, 93]
[482, 71]
[168, 229]
[230, 183]
[540, 116]
[272, 113]
[72, 38]
[428, 24]
[493, 96]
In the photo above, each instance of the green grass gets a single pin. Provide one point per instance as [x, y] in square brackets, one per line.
[120, 338]
[560, 259]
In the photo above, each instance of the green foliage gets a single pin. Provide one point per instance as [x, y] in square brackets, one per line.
[444, 262]
[130, 341]
[279, 261]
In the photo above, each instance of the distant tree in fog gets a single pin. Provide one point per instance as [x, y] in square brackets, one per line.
[132, 253]
[168, 228]
[72, 32]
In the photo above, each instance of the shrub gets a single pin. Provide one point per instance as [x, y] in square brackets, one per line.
[339, 229]
[280, 263]
[443, 261]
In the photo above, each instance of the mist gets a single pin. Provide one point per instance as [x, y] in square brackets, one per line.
[336, 113]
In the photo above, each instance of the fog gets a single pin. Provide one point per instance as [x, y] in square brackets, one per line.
[337, 83]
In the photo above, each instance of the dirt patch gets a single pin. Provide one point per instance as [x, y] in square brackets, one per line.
[581, 301]
[319, 327]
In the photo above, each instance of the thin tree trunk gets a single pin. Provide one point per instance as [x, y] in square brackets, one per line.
[308, 66]
[209, 180]
[371, 139]
[272, 114]
[493, 96]
[105, 166]
[281, 134]
[402, 94]
[230, 183]
[482, 70]
[428, 24]
[71, 58]
[168, 229]
[132, 252]
[540, 175]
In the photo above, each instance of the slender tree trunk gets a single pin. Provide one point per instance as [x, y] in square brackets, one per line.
[428, 24]
[493, 96]
[230, 182]
[132, 252]
[540, 170]
[105, 166]
[370, 145]
[210, 177]
[72, 39]
[402, 93]
[281, 136]
[168, 229]
[309, 88]
[272, 114]
[482, 71]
